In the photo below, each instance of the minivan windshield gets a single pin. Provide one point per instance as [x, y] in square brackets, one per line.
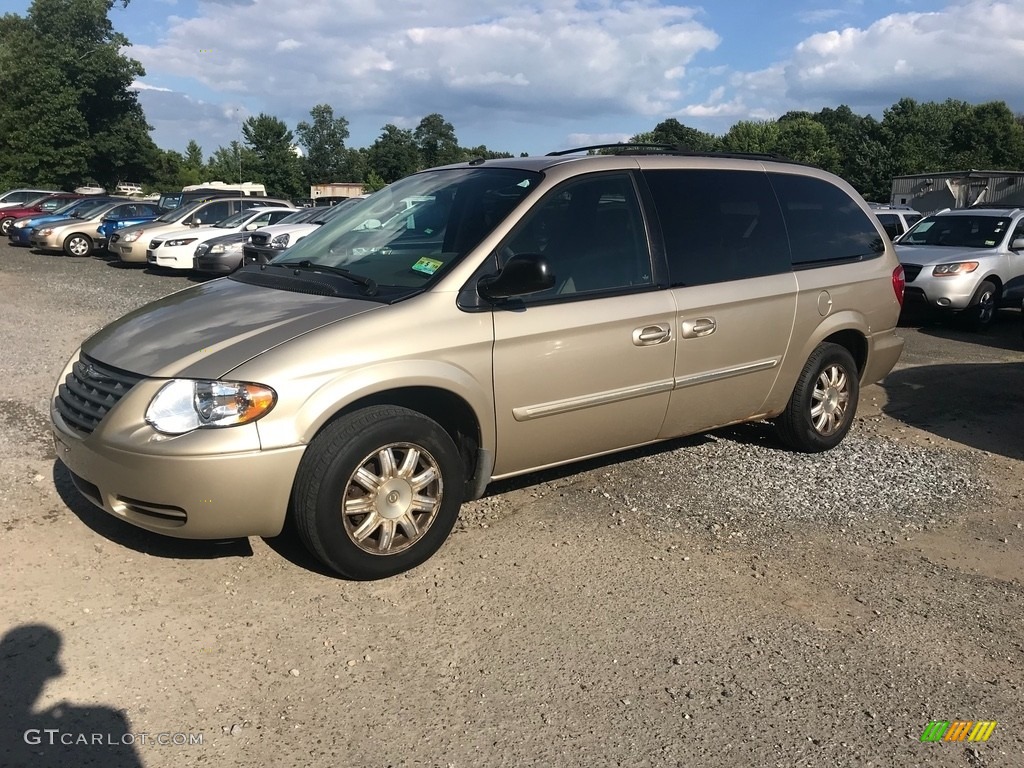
[413, 230]
[958, 231]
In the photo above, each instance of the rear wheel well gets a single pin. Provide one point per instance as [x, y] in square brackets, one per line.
[854, 343]
[450, 411]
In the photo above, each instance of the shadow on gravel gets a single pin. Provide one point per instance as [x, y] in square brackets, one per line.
[137, 539]
[289, 546]
[978, 405]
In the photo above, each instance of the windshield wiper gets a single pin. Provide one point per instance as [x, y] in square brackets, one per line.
[369, 285]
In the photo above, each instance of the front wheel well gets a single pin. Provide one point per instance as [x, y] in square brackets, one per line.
[449, 410]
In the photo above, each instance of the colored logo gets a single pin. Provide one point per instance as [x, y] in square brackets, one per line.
[958, 730]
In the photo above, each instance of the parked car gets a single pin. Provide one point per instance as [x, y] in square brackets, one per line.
[529, 312]
[77, 236]
[23, 196]
[268, 242]
[966, 262]
[141, 213]
[21, 230]
[43, 205]
[896, 219]
[223, 255]
[175, 249]
[130, 244]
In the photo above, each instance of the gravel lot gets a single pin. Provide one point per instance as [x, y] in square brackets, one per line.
[714, 601]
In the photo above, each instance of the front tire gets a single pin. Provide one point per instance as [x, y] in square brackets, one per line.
[377, 492]
[5, 225]
[77, 245]
[824, 401]
[982, 312]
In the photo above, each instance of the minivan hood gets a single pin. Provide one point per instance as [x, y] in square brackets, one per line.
[940, 254]
[206, 331]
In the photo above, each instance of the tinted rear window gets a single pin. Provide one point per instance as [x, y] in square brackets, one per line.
[718, 225]
[825, 224]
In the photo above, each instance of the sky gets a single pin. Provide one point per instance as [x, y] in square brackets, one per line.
[539, 75]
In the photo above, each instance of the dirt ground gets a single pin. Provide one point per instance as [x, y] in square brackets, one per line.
[608, 614]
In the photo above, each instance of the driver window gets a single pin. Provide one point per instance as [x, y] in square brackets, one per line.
[592, 234]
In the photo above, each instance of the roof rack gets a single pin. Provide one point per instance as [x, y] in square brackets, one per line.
[670, 149]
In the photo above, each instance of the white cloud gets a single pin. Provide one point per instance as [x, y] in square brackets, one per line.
[578, 69]
[474, 63]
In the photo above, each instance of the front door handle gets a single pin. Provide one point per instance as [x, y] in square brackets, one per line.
[650, 335]
[702, 326]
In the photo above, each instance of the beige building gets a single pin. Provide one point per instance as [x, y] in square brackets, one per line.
[336, 189]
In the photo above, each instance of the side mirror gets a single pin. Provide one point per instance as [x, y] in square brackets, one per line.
[1017, 244]
[523, 274]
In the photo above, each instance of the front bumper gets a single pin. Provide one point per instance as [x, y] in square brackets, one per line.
[46, 243]
[19, 236]
[951, 293]
[219, 264]
[131, 253]
[179, 257]
[207, 494]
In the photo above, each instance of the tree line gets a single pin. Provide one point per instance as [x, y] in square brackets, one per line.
[68, 115]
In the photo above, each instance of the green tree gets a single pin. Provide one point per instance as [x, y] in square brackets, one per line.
[277, 165]
[671, 131]
[234, 163]
[67, 113]
[751, 136]
[805, 140]
[863, 157]
[393, 155]
[192, 165]
[327, 159]
[435, 139]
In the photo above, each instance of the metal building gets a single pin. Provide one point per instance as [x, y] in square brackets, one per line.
[928, 192]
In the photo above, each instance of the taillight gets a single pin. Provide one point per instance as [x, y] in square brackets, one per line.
[899, 282]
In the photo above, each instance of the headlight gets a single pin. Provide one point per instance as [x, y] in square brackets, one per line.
[280, 242]
[201, 249]
[225, 248]
[183, 405]
[180, 241]
[957, 268]
[20, 224]
[45, 232]
[131, 237]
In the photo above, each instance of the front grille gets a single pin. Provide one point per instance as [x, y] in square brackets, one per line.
[155, 243]
[90, 391]
[911, 271]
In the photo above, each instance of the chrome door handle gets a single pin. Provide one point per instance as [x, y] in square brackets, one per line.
[702, 326]
[650, 335]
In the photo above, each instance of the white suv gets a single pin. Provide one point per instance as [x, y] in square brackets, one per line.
[968, 261]
[895, 219]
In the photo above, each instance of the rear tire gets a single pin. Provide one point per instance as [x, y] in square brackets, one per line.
[824, 401]
[377, 492]
[77, 245]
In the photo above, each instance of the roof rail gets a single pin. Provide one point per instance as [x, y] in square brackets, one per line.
[670, 149]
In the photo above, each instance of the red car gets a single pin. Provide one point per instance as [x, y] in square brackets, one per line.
[47, 204]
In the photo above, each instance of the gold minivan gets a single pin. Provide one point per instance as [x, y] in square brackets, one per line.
[479, 321]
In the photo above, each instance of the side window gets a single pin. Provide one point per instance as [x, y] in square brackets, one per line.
[891, 224]
[276, 216]
[591, 232]
[718, 225]
[912, 219]
[825, 224]
[213, 212]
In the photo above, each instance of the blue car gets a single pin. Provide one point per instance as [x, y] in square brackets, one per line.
[21, 229]
[125, 216]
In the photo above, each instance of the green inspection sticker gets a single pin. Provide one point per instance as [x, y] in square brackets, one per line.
[427, 266]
